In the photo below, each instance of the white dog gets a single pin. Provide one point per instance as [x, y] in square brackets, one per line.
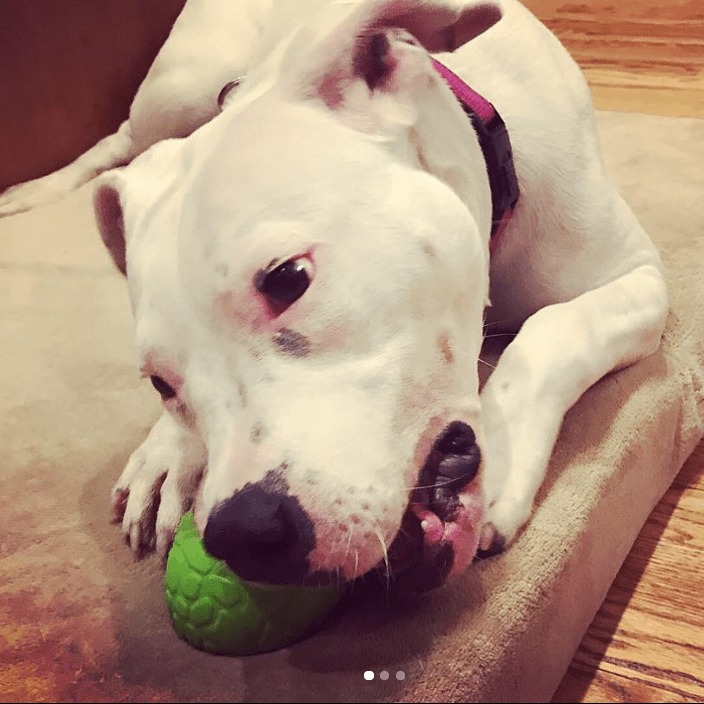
[311, 267]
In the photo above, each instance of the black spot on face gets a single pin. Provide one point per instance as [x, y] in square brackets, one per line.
[274, 481]
[446, 349]
[292, 343]
[430, 251]
[242, 391]
[257, 433]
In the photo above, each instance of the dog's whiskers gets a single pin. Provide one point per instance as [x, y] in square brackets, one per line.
[434, 485]
[380, 536]
[479, 359]
[387, 564]
[498, 334]
[347, 552]
[495, 322]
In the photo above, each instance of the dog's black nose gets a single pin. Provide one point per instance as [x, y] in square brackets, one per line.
[263, 536]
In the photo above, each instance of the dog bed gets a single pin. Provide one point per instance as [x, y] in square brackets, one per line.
[81, 621]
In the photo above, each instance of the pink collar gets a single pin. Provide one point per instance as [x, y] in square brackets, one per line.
[496, 147]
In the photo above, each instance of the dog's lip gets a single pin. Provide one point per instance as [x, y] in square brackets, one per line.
[428, 551]
[443, 524]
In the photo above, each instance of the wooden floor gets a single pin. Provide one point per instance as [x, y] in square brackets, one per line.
[639, 55]
[646, 644]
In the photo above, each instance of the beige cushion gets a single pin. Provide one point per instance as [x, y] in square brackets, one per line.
[80, 619]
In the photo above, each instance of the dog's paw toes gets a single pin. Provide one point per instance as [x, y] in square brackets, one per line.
[120, 495]
[493, 547]
[157, 485]
[505, 519]
[173, 505]
[12, 202]
[491, 542]
[164, 540]
[139, 506]
[140, 537]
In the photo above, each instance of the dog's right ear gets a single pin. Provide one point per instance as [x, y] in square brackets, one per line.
[108, 212]
[360, 44]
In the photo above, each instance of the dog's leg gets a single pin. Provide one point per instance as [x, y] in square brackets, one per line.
[558, 354]
[158, 485]
[114, 150]
[211, 42]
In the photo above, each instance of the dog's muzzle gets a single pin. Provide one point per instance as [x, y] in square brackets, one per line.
[265, 535]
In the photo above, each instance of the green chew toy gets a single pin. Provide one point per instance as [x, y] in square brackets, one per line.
[213, 610]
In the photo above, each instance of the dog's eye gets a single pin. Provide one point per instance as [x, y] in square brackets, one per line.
[162, 387]
[286, 283]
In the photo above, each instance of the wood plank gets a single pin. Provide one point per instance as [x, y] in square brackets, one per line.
[68, 73]
[643, 56]
[646, 643]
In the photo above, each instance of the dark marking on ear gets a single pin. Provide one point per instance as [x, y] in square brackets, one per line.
[292, 343]
[373, 60]
[471, 24]
[441, 29]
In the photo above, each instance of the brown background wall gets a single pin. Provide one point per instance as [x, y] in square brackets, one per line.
[68, 72]
[69, 68]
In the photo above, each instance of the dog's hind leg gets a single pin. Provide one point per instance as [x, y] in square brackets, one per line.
[114, 150]
[211, 42]
[558, 354]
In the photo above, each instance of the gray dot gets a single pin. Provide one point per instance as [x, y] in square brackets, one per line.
[400, 675]
[384, 675]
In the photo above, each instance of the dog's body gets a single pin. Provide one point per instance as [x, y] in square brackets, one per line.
[309, 271]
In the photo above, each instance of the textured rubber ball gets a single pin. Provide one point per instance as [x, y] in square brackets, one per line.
[213, 610]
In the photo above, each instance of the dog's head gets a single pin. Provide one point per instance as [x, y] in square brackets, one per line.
[308, 273]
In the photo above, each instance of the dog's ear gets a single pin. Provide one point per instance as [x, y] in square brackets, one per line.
[439, 25]
[108, 212]
[369, 42]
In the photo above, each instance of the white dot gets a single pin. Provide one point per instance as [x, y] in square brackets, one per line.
[384, 675]
[368, 675]
[400, 675]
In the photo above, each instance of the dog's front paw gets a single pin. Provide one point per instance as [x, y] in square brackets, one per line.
[505, 518]
[491, 543]
[158, 485]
